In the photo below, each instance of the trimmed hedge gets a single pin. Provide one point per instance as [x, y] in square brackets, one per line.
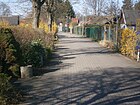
[33, 43]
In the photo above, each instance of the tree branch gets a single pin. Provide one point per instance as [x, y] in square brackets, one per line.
[42, 2]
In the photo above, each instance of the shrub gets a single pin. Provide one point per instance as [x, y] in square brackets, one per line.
[4, 24]
[33, 43]
[25, 35]
[44, 26]
[28, 47]
[34, 54]
[8, 93]
[54, 27]
[128, 42]
[10, 53]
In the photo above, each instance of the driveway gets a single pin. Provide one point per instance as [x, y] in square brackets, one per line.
[84, 73]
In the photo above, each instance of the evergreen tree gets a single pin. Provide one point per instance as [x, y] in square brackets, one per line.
[70, 11]
[127, 5]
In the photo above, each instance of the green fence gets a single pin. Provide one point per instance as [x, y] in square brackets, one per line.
[94, 32]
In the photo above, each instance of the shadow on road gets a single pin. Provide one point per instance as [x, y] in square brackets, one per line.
[108, 86]
[56, 61]
[111, 86]
[53, 65]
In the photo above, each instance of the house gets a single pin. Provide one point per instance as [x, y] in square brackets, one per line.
[99, 20]
[12, 20]
[100, 28]
[128, 18]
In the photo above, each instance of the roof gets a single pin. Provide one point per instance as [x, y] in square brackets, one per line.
[75, 20]
[12, 20]
[100, 20]
[130, 16]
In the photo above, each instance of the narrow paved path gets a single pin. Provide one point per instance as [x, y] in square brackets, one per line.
[84, 73]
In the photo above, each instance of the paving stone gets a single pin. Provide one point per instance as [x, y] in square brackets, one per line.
[85, 73]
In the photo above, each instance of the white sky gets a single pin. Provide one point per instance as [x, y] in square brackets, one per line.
[79, 7]
[18, 9]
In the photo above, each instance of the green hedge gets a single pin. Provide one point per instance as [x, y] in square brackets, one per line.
[10, 53]
[9, 95]
[34, 54]
[20, 46]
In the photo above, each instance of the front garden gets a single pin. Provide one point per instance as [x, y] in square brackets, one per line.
[21, 46]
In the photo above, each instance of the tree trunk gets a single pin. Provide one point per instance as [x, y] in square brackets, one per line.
[105, 33]
[50, 21]
[36, 7]
[36, 15]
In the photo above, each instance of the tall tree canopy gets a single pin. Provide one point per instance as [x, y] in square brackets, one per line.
[69, 8]
[52, 9]
[57, 10]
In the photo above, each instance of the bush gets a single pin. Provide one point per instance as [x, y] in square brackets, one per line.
[128, 42]
[4, 24]
[33, 43]
[10, 53]
[23, 46]
[54, 28]
[44, 26]
[34, 54]
[25, 35]
[8, 94]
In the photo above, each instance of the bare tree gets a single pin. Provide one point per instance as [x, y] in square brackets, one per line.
[4, 9]
[103, 7]
[50, 7]
[97, 6]
[92, 4]
[36, 10]
[36, 7]
[113, 8]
